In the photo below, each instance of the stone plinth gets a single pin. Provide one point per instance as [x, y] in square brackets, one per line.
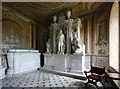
[77, 63]
[65, 62]
[59, 62]
[47, 61]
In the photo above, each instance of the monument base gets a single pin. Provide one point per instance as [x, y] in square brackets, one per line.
[64, 62]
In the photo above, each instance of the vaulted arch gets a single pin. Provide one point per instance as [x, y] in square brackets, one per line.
[114, 37]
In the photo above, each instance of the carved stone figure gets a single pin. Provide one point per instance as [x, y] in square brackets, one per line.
[76, 46]
[68, 14]
[102, 51]
[69, 22]
[54, 27]
[48, 45]
[61, 40]
[54, 19]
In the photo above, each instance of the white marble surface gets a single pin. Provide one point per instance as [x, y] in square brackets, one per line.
[22, 50]
[2, 72]
[65, 62]
[47, 61]
[77, 63]
[22, 60]
[58, 61]
[0, 83]
[2, 75]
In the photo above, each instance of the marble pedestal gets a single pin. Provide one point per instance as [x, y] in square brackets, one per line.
[21, 60]
[77, 63]
[58, 62]
[47, 61]
[65, 62]
[54, 61]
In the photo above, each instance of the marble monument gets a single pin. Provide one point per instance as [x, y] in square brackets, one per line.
[68, 52]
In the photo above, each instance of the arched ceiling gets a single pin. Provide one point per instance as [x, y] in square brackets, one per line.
[43, 11]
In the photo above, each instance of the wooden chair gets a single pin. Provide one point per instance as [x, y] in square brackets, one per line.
[95, 75]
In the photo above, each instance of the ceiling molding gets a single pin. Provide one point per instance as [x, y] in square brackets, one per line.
[43, 11]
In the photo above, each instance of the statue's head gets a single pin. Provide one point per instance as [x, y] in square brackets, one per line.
[49, 40]
[54, 18]
[68, 14]
[74, 35]
[60, 31]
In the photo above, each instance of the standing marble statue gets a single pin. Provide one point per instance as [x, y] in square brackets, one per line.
[61, 40]
[69, 22]
[54, 27]
[48, 45]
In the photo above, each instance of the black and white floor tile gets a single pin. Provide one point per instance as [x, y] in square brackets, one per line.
[42, 79]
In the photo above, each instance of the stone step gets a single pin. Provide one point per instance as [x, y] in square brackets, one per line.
[72, 75]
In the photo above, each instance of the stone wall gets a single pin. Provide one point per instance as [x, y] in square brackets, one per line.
[95, 30]
[17, 30]
[42, 36]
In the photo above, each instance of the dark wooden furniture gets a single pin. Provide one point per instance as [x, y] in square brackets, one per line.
[95, 75]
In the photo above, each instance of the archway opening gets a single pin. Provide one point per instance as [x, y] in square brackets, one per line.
[114, 37]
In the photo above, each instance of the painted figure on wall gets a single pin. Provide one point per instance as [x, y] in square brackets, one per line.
[102, 33]
[61, 42]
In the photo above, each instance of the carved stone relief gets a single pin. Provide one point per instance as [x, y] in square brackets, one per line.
[102, 42]
[102, 35]
[16, 31]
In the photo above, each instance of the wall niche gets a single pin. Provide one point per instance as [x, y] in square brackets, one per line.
[16, 30]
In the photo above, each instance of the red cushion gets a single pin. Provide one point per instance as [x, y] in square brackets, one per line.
[95, 77]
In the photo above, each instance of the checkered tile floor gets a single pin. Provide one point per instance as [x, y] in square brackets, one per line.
[43, 79]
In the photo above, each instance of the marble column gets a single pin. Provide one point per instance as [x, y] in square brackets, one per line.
[69, 31]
